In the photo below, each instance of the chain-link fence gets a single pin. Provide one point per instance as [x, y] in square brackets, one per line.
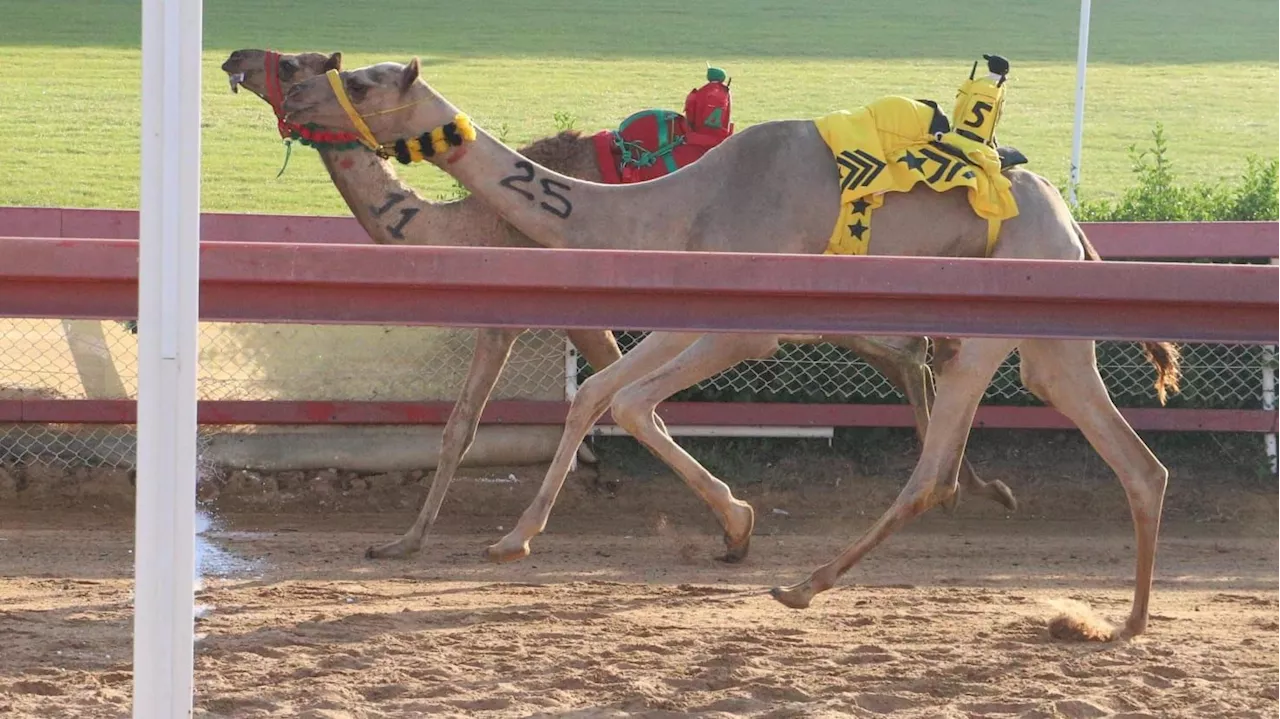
[98, 360]
[49, 359]
[1215, 376]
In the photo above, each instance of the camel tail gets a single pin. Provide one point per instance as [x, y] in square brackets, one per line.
[1164, 356]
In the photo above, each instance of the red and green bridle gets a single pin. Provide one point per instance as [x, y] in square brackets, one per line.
[309, 134]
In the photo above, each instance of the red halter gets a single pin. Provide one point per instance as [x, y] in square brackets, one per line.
[292, 130]
[275, 96]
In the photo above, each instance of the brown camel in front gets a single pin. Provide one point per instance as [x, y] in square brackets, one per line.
[393, 213]
[773, 187]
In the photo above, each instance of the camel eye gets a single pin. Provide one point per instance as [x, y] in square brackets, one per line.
[357, 87]
[288, 67]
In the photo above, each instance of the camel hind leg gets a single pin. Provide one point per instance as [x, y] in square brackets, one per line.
[994, 490]
[1064, 373]
[902, 361]
[962, 380]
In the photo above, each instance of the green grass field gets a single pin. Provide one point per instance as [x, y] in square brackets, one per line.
[70, 87]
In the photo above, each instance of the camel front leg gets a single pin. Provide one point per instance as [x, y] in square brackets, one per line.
[1064, 373]
[588, 405]
[961, 383]
[634, 408]
[492, 348]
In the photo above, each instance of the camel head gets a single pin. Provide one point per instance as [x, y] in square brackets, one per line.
[253, 70]
[387, 102]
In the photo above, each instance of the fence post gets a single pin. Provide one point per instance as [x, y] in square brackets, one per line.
[1269, 397]
[584, 453]
[570, 370]
[88, 344]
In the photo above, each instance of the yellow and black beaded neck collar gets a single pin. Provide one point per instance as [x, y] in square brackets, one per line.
[430, 143]
[416, 149]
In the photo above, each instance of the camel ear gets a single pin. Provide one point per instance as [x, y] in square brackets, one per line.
[334, 62]
[410, 74]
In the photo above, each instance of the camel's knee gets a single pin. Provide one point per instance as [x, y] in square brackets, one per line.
[632, 411]
[1146, 490]
[920, 494]
[592, 397]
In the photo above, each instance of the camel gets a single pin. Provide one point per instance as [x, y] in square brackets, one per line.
[771, 188]
[393, 213]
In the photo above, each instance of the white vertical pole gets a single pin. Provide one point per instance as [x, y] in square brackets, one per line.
[1077, 133]
[570, 370]
[1269, 399]
[168, 297]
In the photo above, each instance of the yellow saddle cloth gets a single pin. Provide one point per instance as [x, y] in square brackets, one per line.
[895, 142]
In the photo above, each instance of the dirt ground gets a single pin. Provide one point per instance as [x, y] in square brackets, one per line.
[621, 611]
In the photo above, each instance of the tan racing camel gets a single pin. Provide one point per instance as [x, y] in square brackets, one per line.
[774, 187]
[393, 213]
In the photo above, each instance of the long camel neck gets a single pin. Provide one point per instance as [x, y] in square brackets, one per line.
[550, 208]
[392, 213]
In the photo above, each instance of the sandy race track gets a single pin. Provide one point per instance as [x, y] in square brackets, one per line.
[621, 612]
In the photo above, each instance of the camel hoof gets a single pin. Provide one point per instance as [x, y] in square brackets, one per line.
[797, 597]
[736, 548]
[1002, 494]
[398, 549]
[735, 553]
[503, 552]
[1132, 628]
[950, 503]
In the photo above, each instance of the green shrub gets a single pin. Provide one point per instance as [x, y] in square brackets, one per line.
[1157, 195]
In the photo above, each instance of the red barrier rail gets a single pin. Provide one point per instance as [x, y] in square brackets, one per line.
[75, 223]
[1135, 240]
[1146, 240]
[739, 414]
[692, 291]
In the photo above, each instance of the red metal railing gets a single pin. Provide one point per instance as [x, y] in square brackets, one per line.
[1113, 240]
[313, 282]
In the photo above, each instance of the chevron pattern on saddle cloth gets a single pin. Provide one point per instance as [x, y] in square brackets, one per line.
[894, 143]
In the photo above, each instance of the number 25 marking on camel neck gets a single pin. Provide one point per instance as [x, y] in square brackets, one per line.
[562, 209]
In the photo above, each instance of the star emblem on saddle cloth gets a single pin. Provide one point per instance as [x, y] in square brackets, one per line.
[857, 229]
[860, 206]
[912, 161]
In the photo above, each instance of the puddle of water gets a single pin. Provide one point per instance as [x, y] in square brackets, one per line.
[214, 561]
